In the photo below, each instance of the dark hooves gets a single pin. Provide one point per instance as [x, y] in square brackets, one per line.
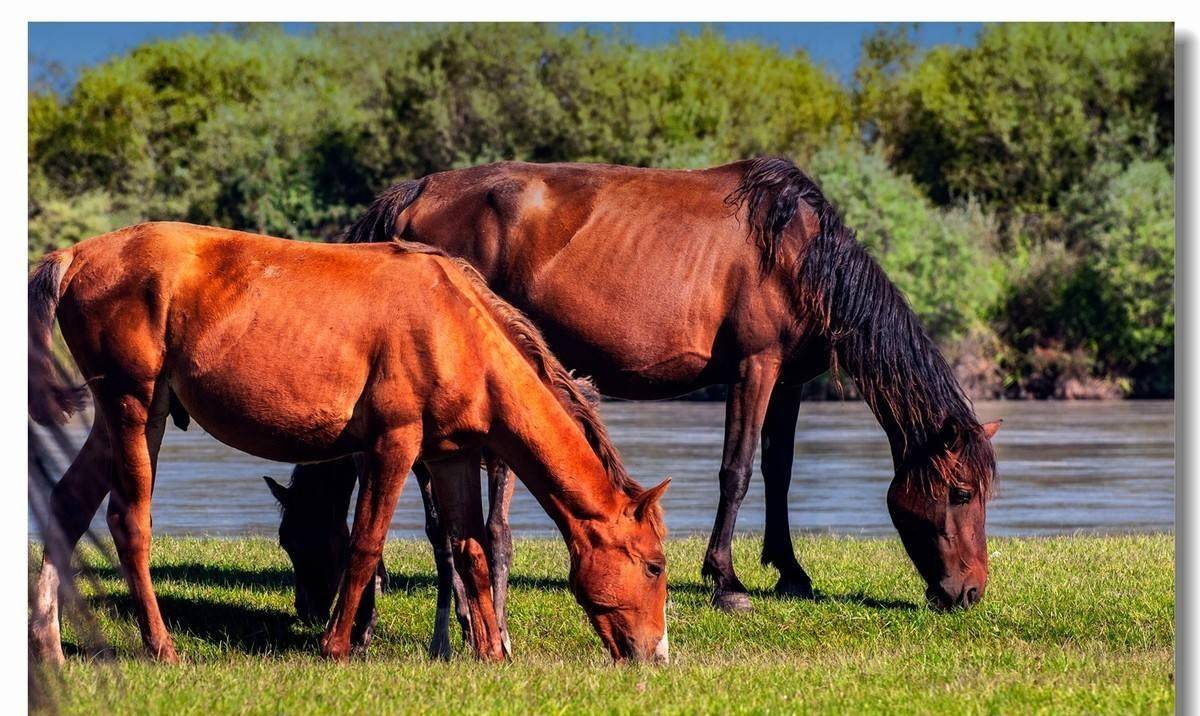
[796, 587]
[732, 601]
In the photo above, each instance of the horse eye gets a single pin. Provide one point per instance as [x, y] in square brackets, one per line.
[654, 569]
[959, 496]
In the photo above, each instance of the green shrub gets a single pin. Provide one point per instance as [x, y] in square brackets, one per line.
[940, 259]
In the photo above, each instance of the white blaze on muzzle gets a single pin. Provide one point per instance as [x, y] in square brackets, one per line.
[661, 654]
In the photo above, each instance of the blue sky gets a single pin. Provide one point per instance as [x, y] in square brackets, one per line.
[836, 45]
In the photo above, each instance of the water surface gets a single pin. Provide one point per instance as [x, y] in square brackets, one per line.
[1064, 467]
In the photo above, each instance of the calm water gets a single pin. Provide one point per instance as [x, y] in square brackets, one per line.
[1064, 467]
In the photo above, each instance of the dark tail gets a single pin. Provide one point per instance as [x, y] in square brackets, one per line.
[51, 400]
[379, 223]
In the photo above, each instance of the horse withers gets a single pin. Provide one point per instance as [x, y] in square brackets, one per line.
[306, 353]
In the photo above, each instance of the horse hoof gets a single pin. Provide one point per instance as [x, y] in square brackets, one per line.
[164, 654]
[439, 650]
[795, 587]
[335, 652]
[732, 601]
[46, 653]
[506, 645]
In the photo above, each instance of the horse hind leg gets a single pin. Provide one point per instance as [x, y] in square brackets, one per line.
[500, 552]
[73, 502]
[136, 422]
[778, 440]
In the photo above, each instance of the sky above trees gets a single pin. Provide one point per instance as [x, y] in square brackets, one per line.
[835, 45]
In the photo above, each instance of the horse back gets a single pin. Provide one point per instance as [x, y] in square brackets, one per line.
[639, 277]
[287, 350]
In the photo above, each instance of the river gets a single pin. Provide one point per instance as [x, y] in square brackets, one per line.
[1064, 467]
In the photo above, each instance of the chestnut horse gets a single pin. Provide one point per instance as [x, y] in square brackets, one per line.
[304, 353]
[658, 282]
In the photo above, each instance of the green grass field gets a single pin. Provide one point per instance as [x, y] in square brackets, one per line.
[1073, 624]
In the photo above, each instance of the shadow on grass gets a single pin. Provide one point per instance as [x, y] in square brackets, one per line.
[258, 630]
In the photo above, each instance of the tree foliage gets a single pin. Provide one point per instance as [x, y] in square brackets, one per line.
[1020, 187]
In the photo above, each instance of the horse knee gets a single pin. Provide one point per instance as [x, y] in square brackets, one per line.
[735, 481]
[471, 557]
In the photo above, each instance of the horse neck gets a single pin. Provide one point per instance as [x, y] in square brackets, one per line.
[544, 444]
[877, 338]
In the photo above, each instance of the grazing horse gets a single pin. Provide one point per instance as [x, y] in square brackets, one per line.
[312, 530]
[306, 353]
[659, 282]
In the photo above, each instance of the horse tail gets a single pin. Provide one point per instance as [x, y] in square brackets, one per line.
[51, 399]
[772, 189]
[379, 223]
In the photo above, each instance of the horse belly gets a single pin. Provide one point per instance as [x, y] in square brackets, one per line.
[296, 416]
[640, 320]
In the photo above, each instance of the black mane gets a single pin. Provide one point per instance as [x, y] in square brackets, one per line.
[378, 222]
[872, 331]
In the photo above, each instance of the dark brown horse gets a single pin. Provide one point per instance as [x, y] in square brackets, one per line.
[417, 359]
[658, 282]
[312, 530]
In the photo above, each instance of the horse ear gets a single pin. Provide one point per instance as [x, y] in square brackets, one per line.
[990, 429]
[279, 491]
[649, 498]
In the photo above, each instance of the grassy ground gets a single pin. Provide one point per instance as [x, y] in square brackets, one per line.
[1068, 625]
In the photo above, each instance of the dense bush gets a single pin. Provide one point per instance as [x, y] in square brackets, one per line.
[1020, 191]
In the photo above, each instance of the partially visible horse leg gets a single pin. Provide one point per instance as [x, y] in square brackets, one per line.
[744, 412]
[136, 420]
[386, 468]
[460, 508]
[449, 584]
[779, 446]
[73, 502]
[500, 553]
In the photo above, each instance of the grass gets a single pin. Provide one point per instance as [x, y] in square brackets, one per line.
[1071, 624]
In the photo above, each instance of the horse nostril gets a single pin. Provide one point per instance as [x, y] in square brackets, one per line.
[971, 597]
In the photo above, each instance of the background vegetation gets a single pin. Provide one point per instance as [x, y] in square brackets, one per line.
[1020, 191]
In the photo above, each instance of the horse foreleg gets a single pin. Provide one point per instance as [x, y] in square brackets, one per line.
[779, 443]
[449, 585]
[456, 492]
[380, 484]
[744, 411]
[500, 553]
[73, 502]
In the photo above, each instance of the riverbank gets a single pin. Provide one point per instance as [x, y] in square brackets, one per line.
[1068, 624]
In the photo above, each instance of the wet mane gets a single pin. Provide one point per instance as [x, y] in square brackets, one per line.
[578, 396]
[872, 332]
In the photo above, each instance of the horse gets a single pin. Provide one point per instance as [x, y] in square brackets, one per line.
[656, 283]
[418, 361]
[313, 533]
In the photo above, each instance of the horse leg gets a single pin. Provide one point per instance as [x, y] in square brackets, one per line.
[778, 444]
[461, 510]
[386, 468]
[136, 421]
[744, 412]
[449, 585]
[73, 502]
[500, 553]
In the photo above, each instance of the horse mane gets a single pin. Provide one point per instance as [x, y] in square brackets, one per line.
[378, 223]
[872, 331]
[578, 396]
